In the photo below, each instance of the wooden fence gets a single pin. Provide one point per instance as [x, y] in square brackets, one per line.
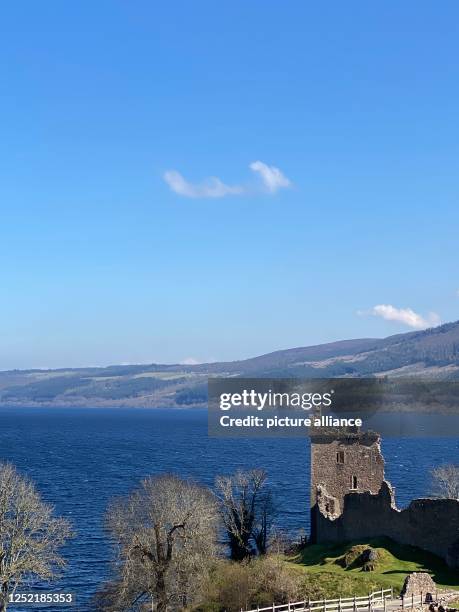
[372, 601]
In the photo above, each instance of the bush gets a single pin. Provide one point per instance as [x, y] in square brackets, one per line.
[255, 582]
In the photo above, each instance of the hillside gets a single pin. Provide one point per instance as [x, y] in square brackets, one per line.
[334, 569]
[433, 353]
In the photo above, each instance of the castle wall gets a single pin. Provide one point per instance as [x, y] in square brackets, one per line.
[342, 462]
[336, 460]
[430, 524]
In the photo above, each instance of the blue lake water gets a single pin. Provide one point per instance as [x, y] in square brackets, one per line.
[81, 458]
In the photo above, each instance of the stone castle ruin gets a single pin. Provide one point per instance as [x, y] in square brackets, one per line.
[351, 500]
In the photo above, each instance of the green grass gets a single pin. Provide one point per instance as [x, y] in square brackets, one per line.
[323, 564]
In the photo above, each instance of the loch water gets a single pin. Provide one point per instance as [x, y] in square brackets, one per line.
[80, 458]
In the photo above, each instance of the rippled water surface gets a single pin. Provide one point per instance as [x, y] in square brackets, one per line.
[80, 458]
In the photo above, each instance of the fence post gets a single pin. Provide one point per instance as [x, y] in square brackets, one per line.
[274, 608]
[392, 592]
[403, 602]
[289, 606]
[422, 601]
[355, 605]
[339, 604]
[412, 600]
[369, 602]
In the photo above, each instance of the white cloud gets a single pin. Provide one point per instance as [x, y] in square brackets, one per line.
[190, 361]
[271, 177]
[211, 187]
[407, 316]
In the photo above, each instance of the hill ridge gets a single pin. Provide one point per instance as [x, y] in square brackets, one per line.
[433, 353]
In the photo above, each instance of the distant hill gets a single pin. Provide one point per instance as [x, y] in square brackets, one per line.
[433, 353]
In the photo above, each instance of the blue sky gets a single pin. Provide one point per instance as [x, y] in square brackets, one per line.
[103, 262]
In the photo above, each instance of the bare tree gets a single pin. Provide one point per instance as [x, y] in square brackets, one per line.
[166, 531]
[445, 480]
[246, 508]
[262, 524]
[30, 536]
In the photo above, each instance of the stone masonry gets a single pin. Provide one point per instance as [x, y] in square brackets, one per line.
[343, 462]
[419, 583]
[350, 500]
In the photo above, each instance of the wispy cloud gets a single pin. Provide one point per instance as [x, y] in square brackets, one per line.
[271, 179]
[407, 316]
[190, 361]
[211, 187]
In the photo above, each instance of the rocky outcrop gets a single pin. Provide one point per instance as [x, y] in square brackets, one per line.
[418, 583]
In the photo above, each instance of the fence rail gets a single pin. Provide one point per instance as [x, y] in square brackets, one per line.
[372, 601]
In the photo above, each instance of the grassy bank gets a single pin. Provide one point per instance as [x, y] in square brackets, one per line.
[335, 569]
[317, 572]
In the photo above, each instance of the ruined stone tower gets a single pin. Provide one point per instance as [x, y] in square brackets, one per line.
[342, 462]
[351, 501]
